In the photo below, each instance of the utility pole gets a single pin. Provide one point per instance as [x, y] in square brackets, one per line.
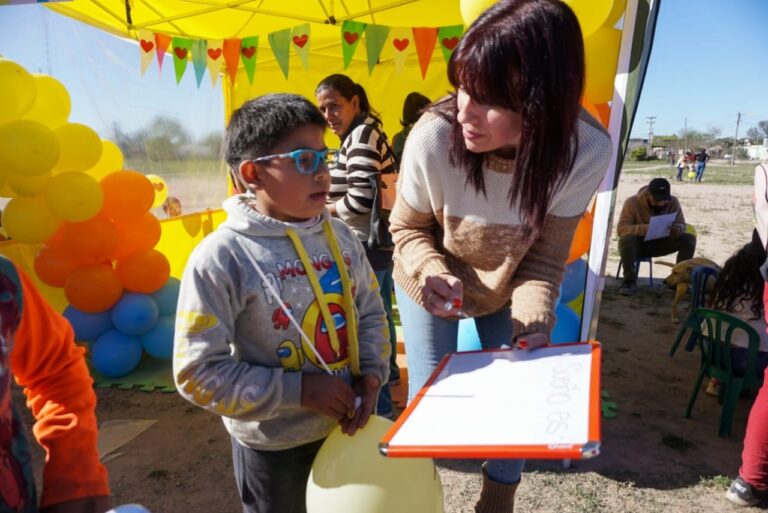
[735, 137]
[650, 121]
[685, 132]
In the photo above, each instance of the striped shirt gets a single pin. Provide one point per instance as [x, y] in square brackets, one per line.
[364, 153]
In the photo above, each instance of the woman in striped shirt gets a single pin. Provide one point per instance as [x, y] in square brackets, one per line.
[364, 154]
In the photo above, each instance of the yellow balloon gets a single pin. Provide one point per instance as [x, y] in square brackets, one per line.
[74, 196]
[689, 228]
[692, 174]
[617, 11]
[592, 14]
[161, 190]
[349, 474]
[28, 220]
[17, 90]
[52, 105]
[472, 9]
[80, 147]
[28, 185]
[27, 148]
[111, 160]
[601, 52]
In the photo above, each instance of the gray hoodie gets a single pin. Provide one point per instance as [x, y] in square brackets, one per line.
[236, 352]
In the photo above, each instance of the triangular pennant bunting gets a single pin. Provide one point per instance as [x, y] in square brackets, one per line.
[351, 32]
[300, 42]
[249, 47]
[448, 38]
[146, 49]
[425, 38]
[401, 45]
[214, 57]
[199, 57]
[232, 57]
[162, 42]
[375, 37]
[280, 42]
[181, 49]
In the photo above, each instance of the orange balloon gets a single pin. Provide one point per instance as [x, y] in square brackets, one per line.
[54, 265]
[136, 234]
[91, 242]
[126, 194]
[581, 238]
[93, 288]
[144, 271]
[605, 113]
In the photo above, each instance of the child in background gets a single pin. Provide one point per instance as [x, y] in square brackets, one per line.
[172, 207]
[278, 263]
[37, 348]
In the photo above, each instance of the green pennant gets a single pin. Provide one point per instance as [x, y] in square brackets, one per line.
[351, 32]
[300, 38]
[375, 37]
[181, 48]
[449, 38]
[280, 42]
[249, 47]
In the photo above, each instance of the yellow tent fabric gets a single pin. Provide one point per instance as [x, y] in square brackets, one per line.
[209, 19]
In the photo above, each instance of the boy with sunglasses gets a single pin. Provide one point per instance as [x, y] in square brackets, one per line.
[280, 326]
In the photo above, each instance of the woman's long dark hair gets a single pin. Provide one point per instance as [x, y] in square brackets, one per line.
[527, 56]
[740, 279]
[348, 88]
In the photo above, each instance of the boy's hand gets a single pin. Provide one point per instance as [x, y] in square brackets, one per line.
[327, 395]
[367, 388]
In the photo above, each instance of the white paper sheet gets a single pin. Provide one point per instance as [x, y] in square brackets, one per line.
[515, 397]
[660, 226]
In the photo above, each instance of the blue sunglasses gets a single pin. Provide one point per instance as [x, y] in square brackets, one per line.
[307, 160]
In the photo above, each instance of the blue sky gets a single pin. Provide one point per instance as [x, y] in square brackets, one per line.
[709, 61]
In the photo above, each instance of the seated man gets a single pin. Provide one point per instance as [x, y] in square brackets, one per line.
[652, 200]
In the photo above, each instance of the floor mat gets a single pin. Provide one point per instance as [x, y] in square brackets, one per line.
[150, 376]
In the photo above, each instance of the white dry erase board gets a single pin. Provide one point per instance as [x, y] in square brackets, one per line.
[505, 403]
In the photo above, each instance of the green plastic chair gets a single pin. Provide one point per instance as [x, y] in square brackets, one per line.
[714, 330]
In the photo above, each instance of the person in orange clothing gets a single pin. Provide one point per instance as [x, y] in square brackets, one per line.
[37, 348]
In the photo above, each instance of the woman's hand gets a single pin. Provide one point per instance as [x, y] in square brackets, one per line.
[531, 341]
[443, 295]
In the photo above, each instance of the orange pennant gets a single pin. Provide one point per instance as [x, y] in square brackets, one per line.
[232, 57]
[425, 39]
[162, 41]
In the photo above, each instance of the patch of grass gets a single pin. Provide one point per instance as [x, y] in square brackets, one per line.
[676, 443]
[714, 173]
[716, 482]
[158, 474]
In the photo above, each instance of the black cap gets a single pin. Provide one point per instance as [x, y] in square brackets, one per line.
[659, 189]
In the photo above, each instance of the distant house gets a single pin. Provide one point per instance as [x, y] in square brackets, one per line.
[636, 143]
[758, 151]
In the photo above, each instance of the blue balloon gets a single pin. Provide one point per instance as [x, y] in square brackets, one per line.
[574, 281]
[129, 508]
[115, 354]
[135, 314]
[158, 341]
[567, 326]
[88, 326]
[468, 339]
[167, 297]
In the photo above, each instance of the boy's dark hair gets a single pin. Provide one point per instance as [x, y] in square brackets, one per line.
[348, 88]
[526, 56]
[414, 104]
[740, 279]
[261, 123]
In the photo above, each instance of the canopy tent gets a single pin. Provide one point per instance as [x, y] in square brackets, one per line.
[387, 85]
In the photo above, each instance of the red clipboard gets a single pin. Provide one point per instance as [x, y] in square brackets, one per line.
[442, 423]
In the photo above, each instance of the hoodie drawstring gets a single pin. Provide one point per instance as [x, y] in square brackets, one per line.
[346, 286]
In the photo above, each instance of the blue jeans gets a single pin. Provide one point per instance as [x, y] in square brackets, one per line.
[700, 170]
[428, 338]
[384, 404]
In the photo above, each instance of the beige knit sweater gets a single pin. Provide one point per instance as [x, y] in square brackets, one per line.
[441, 225]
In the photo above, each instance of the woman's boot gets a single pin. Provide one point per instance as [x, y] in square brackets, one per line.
[496, 497]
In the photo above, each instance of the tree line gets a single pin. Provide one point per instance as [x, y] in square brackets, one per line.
[166, 138]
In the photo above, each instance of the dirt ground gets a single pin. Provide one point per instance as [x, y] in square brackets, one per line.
[653, 459]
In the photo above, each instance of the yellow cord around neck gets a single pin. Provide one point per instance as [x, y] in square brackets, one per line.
[346, 287]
